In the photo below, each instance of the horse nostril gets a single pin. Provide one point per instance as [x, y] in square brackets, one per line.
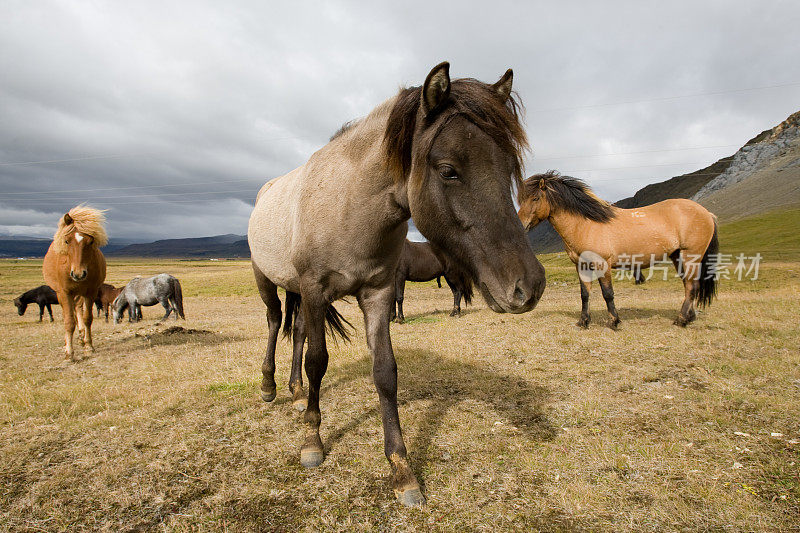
[519, 294]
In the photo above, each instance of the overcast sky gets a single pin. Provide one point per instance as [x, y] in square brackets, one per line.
[171, 115]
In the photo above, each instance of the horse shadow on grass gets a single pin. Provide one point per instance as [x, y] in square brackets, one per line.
[444, 383]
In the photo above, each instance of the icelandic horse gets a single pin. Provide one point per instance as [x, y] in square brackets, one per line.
[446, 154]
[600, 237]
[75, 268]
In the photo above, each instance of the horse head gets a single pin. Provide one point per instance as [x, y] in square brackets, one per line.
[457, 145]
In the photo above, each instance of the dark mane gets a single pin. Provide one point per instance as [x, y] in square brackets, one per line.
[568, 193]
[344, 128]
[478, 102]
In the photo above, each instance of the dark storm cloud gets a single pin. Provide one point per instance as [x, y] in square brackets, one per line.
[208, 101]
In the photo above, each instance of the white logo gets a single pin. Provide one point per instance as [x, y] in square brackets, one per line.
[591, 266]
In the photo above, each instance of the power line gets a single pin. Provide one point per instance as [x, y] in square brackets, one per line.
[191, 184]
[639, 152]
[665, 98]
[94, 198]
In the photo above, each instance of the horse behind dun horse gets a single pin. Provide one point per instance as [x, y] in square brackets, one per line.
[75, 268]
[600, 237]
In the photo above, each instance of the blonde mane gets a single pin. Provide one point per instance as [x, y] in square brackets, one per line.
[86, 220]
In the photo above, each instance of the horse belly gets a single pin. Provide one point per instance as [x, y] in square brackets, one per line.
[269, 232]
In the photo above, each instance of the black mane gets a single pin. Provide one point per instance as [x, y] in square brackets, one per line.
[570, 194]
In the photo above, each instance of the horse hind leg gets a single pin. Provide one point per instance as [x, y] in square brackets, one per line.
[269, 295]
[167, 309]
[299, 398]
[608, 295]
[690, 274]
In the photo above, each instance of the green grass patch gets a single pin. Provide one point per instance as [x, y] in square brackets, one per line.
[775, 235]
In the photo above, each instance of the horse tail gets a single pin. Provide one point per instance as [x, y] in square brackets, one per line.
[439, 281]
[466, 288]
[338, 326]
[708, 272]
[292, 308]
[178, 294]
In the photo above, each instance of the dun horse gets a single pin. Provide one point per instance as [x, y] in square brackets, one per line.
[420, 261]
[75, 268]
[446, 154]
[601, 237]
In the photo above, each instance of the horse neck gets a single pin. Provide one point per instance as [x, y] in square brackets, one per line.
[570, 226]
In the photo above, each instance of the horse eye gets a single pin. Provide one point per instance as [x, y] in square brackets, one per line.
[448, 172]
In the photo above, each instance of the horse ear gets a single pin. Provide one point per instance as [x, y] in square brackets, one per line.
[542, 184]
[503, 85]
[436, 88]
[67, 219]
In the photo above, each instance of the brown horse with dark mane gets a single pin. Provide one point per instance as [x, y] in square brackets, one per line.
[599, 237]
[447, 154]
[421, 261]
[75, 268]
[105, 297]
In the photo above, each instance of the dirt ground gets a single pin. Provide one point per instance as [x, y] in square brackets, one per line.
[511, 421]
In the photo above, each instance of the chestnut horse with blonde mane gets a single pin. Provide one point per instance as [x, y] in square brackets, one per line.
[600, 237]
[75, 268]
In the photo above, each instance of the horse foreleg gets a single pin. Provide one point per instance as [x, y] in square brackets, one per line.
[68, 308]
[313, 308]
[88, 317]
[299, 399]
[373, 303]
[586, 288]
[608, 295]
[81, 321]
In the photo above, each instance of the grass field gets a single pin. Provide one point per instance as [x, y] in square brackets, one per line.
[512, 422]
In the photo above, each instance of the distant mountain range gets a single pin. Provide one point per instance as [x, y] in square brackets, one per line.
[229, 245]
[202, 247]
[761, 176]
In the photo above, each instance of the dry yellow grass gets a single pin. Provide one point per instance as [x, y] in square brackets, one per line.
[512, 422]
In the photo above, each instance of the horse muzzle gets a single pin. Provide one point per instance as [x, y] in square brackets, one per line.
[78, 276]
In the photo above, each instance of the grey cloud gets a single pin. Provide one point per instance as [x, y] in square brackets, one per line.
[238, 93]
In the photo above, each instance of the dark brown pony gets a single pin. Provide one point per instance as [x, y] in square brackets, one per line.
[420, 261]
[105, 296]
[448, 154]
[75, 268]
[599, 237]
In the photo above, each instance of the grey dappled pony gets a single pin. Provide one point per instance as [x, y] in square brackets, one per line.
[139, 291]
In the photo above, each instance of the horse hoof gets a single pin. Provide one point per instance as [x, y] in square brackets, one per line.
[300, 404]
[410, 497]
[583, 324]
[311, 457]
[268, 396]
[680, 322]
[612, 324]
